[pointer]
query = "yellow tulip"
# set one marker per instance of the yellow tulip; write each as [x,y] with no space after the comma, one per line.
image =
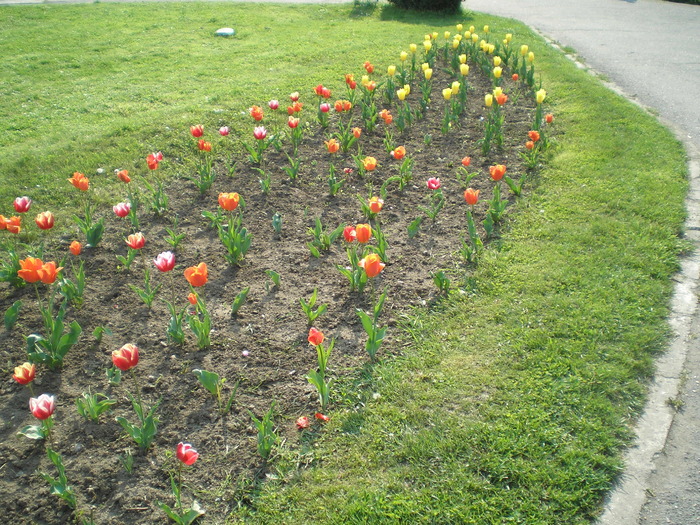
[497,91]
[427,37]
[407,89]
[496,61]
[541,94]
[491,49]
[428,73]
[475,38]
[505,42]
[455,44]
[471,29]
[365,80]
[428,45]
[531,57]
[458,37]
[467,34]
[412,48]
[509,37]
[403,56]
[488,100]
[447,93]
[435,35]
[455,87]
[483,45]
[401,94]
[447,35]
[524,49]
[391,71]
[486,29]
[462,59]
[460,27]
[464,69]
[497,72]
[424,66]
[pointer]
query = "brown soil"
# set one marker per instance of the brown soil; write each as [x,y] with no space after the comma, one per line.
[270,327]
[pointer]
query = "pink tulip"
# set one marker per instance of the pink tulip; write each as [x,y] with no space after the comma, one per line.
[273,104]
[122,209]
[165,261]
[434,183]
[223,131]
[260,132]
[22,204]
[43,406]
[303,422]
[325,107]
[186,453]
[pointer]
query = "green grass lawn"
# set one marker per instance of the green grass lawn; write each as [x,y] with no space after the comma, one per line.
[514,397]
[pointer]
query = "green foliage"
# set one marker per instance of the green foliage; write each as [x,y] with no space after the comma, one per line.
[308,308]
[375,334]
[146,430]
[235,238]
[92,406]
[266,432]
[239,300]
[52,348]
[11,314]
[59,486]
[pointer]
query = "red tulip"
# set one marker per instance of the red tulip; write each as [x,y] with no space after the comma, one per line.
[471,196]
[229,201]
[273,104]
[165,261]
[122,209]
[433,183]
[22,204]
[332,145]
[260,132]
[123,176]
[501,99]
[153,159]
[325,107]
[203,145]
[350,234]
[356,132]
[294,96]
[372,264]
[466,161]
[186,453]
[370,163]
[197,131]
[363,233]
[49,272]
[24,373]
[126,358]
[515,77]
[136,241]
[315,337]
[529,145]
[303,422]
[322,417]
[292,122]
[76,248]
[548,118]
[349,78]
[44,220]
[42,407]
[497,171]
[368,67]
[197,275]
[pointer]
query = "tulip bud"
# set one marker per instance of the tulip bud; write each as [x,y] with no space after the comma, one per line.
[540,96]
[403,56]
[475,38]
[509,37]
[531,57]
[497,71]
[460,27]
[464,69]
[524,49]
[186,453]
[462,59]
[391,71]
[447,93]
[428,45]
[401,94]
[486,29]
[412,48]
[488,100]
[496,61]
[455,87]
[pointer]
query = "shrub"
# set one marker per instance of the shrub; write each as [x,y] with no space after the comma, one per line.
[450,6]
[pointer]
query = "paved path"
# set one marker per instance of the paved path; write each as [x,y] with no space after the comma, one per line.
[651,50]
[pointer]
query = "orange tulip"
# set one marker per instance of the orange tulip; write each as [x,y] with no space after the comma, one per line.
[12,225]
[369,163]
[471,196]
[534,135]
[386,116]
[123,176]
[197,275]
[126,358]
[24,373]
[136,241]
[80,181]
[399,153]
[515,77]
[256,112]
[548,118]
[192,298]
[501,99]
[466,161]
[497,171]
[203,145]
[315,337]
[529,144]
[376,204]
[45,220]
[3,222]
[30,268]
[229,201]
[49,272]
[332,145]
[363,233]
[76,248]
[356,132]
[372,264]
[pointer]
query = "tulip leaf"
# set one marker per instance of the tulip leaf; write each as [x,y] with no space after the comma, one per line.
[32,432]
[209,380]
[11,315]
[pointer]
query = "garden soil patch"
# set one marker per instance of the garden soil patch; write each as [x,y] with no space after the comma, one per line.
[263,349]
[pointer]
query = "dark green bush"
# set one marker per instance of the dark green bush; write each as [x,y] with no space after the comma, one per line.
[449,6]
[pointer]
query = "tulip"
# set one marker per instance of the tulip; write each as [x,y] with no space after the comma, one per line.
[123,176]
[186,453]
[319,90]
[338,106]
[391,71]
[224,130]
[126,358]
[22,204]
[501,99]
[427,45]
[303,423]
[192,298]
[369,163]
[376,204]
[435,35]
[315,336]
[49,272]
[44,220]
[363,233]
[136,241]
[399,153]
[122,209]
[80,181]
[229,201]
[349,234]
[153,159]
[475,37]
[12,224]
[486,29]
[534,135]
[256,112]
[401,94]
[471,196]
[322,417]
[165,261]
[464,69]
[294,96]
[515,77]
[332,145]
[42,407]
[386,116]
[403,56]
[24,373]
[497,171]
[496,61]
[540,95]
[447,93]
[412,48]
[197,131]
[434,183]
[497,72]
[347,105]
[447,35]
[529,144]
[466,161]
[524,49]
[325,107]
[455,42]
[371,86]
[509,37]
[531,57]
[488,100]
[498,90]
[372,265]
[548,118]
[459,27]
[197,275]
[368,67]
[292,122]
[203,145]
[455,87]
[407,89]
[260,132]
[76,248]
[471,29]
[356,132]
[29,269]
[273,104]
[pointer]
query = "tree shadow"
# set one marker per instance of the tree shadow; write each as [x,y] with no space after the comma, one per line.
[427,18]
